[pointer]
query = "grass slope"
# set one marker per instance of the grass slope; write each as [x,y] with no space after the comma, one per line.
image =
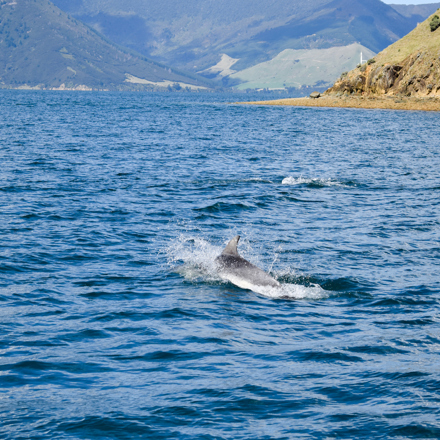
[42,46]
[420,39]
[296,68]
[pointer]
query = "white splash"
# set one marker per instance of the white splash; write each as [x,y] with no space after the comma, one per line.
[198,258]
[194,258]
[292,291]
[317,181]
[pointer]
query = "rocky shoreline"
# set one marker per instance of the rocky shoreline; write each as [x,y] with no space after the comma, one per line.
[356,101]
[404,76]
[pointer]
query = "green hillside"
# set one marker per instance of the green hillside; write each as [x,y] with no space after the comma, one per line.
[296,68]
[195,34]
[42,46]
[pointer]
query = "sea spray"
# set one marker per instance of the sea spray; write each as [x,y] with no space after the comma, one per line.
[194,257]
[315,182]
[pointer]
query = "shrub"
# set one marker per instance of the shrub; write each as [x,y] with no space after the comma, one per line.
[371,61]
[435,23]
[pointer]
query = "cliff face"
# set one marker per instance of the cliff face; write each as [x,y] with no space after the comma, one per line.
[417,75]
[409,67]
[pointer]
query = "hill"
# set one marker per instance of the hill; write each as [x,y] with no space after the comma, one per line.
[302,68]
[191,34]
[44,47]
[199,35]
[417,13]
[409,67]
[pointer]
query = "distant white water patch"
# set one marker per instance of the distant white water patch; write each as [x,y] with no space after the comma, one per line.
[311,181]
[194,259]
[135,80]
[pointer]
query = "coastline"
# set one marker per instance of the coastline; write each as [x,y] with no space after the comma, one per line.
[364,102]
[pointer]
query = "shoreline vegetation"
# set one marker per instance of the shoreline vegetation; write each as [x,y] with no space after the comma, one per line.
[364,102]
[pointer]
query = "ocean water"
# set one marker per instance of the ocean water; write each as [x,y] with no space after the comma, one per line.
[114,323]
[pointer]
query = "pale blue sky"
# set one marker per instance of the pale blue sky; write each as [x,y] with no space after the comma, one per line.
[410,2]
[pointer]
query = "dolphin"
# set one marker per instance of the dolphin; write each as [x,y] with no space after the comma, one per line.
[239,271]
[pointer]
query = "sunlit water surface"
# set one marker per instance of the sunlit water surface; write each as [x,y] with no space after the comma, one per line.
[114,322]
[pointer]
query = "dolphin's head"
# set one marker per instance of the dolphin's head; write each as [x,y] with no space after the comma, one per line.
[231,248]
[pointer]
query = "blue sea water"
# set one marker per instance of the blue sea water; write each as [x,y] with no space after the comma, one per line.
[113,321]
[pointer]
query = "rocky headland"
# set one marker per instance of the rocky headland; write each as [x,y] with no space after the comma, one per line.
[404,76]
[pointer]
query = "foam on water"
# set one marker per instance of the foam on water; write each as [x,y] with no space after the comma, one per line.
[292,291]
[194,258]
[290,180]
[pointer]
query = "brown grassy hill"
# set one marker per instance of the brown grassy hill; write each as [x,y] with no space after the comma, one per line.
[409,67]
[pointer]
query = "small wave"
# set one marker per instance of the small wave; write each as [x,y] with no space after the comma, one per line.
[258,179]
[224,207]
[314,182]
[228,182]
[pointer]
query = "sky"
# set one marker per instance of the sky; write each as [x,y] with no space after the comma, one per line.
[410,2]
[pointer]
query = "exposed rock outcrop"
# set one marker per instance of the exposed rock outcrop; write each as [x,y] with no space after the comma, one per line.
[409,67]
[417,75]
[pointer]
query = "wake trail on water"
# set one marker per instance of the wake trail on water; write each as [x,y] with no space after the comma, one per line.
[194,258]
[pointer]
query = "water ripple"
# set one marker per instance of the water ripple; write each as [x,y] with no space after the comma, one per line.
[114,320]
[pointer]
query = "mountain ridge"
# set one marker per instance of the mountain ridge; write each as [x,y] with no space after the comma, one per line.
[199,35]
[418,13]
[195,35]
[44,47]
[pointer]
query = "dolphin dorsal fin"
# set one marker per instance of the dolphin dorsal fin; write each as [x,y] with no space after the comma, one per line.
[231,248]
